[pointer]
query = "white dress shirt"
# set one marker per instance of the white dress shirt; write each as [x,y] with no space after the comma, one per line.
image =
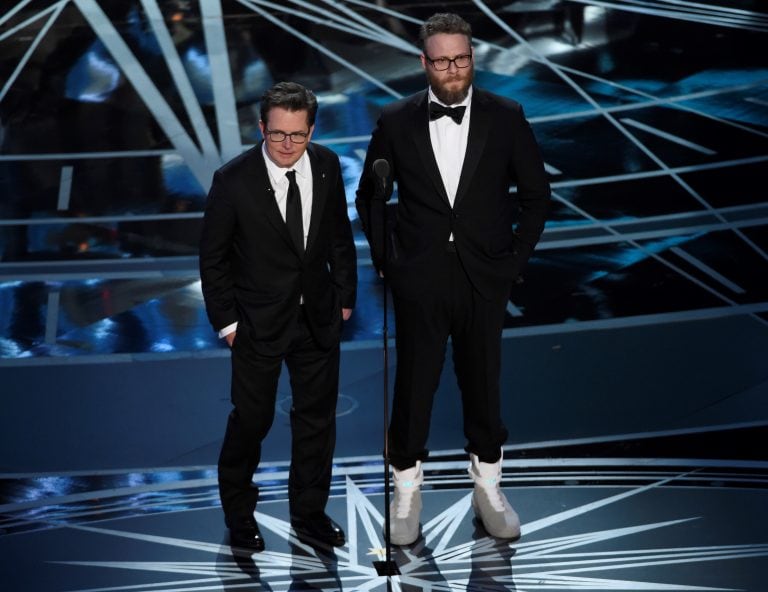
[449,144]
[279,183]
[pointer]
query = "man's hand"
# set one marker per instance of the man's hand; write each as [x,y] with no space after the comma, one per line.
[346,313]
[230,337]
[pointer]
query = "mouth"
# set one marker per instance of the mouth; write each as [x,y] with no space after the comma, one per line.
[455,80]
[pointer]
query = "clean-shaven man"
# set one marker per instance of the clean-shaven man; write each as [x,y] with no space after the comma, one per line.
[278,269]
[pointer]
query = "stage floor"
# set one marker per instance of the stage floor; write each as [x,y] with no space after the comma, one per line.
[639,483]
[589,523]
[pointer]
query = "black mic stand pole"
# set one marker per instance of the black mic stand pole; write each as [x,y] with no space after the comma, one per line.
[387,567]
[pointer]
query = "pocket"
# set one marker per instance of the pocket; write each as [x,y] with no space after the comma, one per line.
[241,336]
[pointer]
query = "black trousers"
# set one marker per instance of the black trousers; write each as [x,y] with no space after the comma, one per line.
[314,378]
[453,308]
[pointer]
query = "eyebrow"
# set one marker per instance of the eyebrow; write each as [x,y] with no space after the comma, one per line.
[448,58]
[269,129]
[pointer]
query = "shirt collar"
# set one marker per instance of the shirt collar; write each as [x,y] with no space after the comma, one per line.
[277,174]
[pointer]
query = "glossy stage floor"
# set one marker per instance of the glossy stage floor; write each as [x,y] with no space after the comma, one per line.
[635,352]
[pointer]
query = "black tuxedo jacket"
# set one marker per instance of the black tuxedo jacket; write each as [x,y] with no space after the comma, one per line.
[250,269]
[494,230]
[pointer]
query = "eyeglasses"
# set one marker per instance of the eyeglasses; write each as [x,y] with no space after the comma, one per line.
[440,64]
[296,137]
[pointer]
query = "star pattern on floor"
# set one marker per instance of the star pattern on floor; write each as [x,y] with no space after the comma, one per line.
[442,558]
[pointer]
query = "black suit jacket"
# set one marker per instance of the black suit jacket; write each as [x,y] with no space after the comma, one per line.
[494,231]
[250,269]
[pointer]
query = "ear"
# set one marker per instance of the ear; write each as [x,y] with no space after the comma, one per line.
[423,62]
[311,129]
[263,129]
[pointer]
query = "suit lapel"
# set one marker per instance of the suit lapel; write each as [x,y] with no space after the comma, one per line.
[479,126]
[258,178]
[319,195]
[420,122]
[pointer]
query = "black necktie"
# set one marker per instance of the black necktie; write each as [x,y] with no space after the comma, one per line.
[436,111]
[293,219]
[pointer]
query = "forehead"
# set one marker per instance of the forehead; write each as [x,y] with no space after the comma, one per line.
[446,45]
[288,121]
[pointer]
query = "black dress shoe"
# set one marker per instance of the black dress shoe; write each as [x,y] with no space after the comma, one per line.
[319,529]
[244,532]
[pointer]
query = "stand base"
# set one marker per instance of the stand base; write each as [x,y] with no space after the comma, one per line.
[386,568]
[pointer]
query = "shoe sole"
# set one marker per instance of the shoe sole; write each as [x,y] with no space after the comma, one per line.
[317,542]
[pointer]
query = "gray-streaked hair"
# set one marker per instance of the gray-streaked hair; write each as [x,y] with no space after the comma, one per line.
[444,22]
[291,96]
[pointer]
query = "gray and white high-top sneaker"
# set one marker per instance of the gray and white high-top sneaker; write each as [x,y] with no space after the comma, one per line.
[405,508]
[489,503]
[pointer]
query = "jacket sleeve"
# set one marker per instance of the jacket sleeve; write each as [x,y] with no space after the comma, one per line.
[372,195]
[216,240]
[533,191]
[343,257]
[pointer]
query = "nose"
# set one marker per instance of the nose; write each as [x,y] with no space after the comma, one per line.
[287,142]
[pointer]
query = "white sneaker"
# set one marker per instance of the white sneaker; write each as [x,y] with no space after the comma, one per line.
[405,508]
[489,503]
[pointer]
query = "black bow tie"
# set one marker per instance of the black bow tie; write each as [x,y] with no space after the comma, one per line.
[436,111]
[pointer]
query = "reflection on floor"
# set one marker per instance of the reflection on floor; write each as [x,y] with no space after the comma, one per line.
[591,522]
[636,388]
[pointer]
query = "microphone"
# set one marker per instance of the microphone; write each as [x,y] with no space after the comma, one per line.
[381,170]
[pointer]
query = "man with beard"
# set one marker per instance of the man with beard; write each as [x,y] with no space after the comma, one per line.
[458,243]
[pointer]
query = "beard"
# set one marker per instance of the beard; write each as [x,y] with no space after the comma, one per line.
[454,94]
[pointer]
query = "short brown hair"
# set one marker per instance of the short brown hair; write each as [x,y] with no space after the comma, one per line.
[291,96]
[444,22]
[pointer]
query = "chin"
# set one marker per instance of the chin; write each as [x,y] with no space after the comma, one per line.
[452,92]
[452,96]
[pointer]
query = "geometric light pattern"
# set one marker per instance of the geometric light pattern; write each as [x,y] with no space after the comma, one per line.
[643,525]
[651,116]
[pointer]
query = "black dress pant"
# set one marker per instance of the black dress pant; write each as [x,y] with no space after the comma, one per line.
[314,378]
[452,308]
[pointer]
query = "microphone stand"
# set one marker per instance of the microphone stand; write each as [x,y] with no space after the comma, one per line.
[381,169]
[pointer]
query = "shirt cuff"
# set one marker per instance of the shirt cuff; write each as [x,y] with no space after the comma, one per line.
[228,329]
